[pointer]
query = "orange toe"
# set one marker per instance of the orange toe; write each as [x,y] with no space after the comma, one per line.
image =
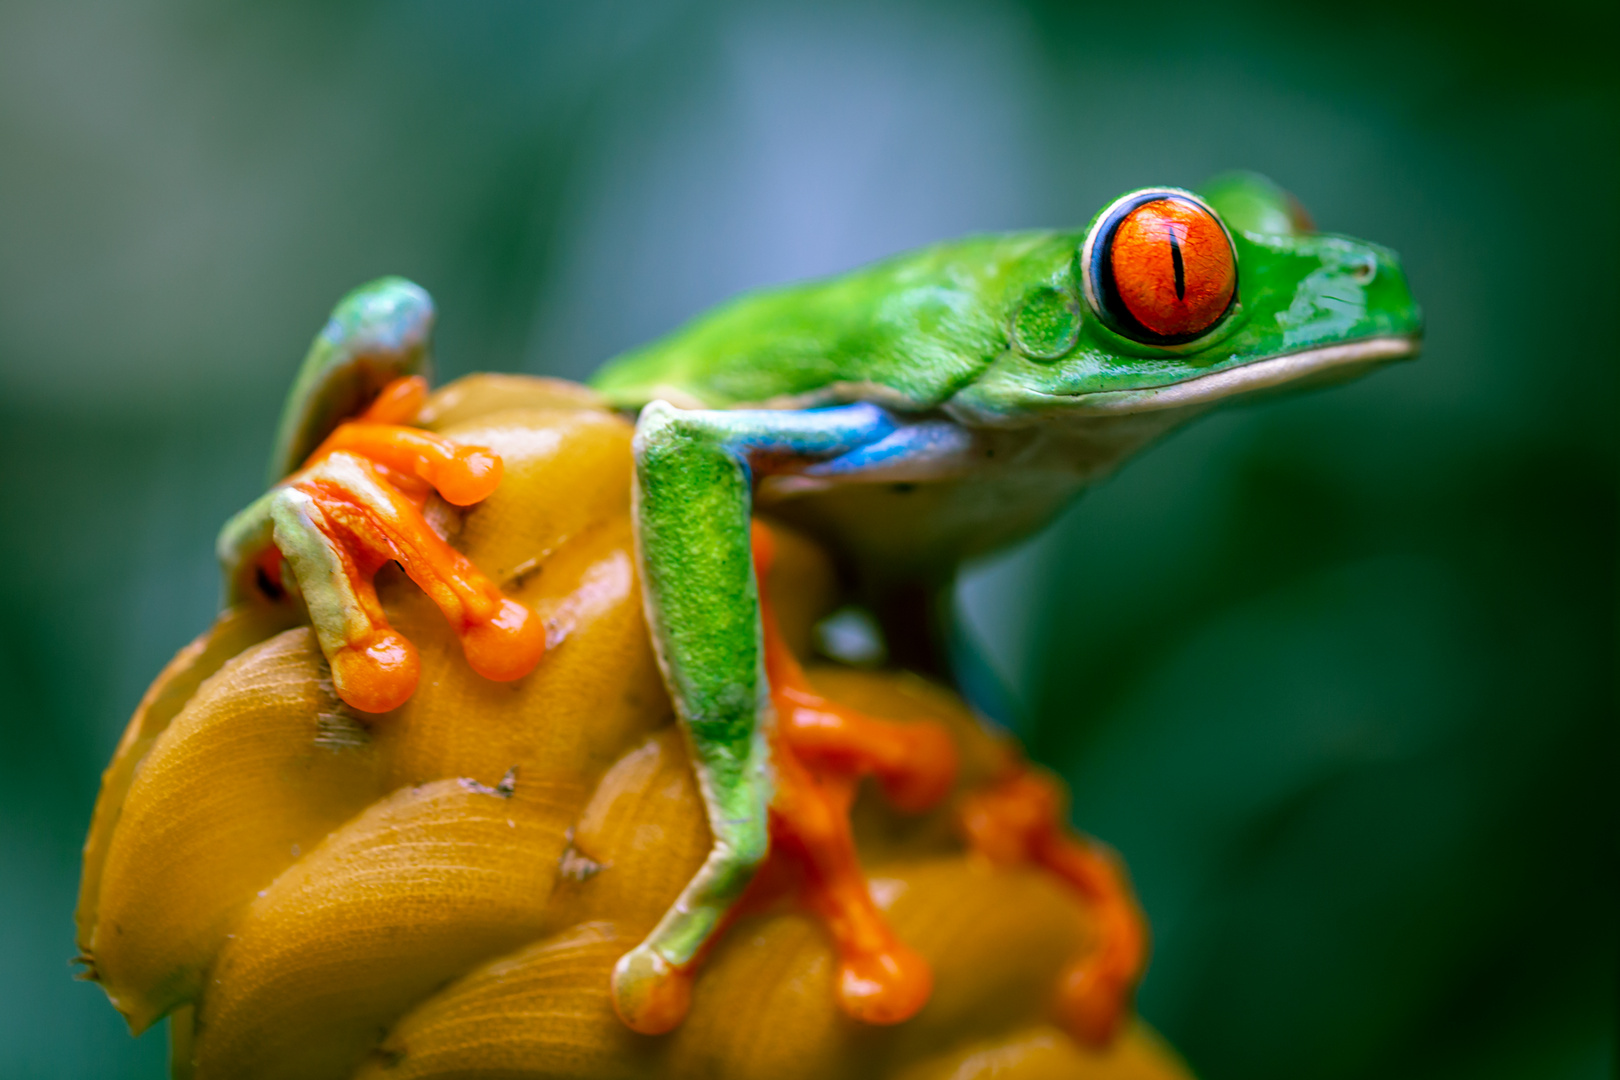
[506,646]
[885,987]
[378,673]
[471,475]
[650,995]
[1091,1006]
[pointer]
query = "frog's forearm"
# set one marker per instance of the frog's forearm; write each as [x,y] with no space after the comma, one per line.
[693,493]
[693,474]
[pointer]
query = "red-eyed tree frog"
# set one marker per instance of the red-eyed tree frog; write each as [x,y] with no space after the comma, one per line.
[930,407]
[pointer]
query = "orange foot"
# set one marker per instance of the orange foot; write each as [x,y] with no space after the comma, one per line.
[1018,820]
[821,750]
[357,504]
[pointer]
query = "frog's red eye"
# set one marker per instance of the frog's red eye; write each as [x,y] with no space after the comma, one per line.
[1159,267]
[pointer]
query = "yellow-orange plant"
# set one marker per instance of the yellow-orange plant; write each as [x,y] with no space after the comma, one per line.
[442,890]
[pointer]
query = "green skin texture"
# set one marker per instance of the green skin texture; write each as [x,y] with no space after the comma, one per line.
[979,363]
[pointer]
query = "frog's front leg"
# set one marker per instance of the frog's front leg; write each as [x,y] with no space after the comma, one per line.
[694,476]
[356,503]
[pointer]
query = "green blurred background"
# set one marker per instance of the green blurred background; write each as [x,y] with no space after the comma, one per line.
[1336,674]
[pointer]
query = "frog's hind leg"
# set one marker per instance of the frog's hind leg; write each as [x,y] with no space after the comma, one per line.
[339,521]
[348,498]
[373,355]
[378,333]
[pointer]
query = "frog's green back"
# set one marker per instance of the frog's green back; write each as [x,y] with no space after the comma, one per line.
[907,331]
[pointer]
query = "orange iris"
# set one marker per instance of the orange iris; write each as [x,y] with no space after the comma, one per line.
[1173,267]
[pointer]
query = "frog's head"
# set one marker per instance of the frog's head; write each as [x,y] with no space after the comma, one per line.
[1176,301]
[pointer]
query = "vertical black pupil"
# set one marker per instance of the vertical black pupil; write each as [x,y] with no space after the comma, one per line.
[1175,260]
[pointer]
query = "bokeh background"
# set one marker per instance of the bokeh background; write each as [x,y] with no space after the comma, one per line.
[1336,674]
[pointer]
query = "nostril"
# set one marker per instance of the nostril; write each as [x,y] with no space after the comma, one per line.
[1364,270]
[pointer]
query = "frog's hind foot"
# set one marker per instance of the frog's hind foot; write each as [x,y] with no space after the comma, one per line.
[821,750]
[1018,820]
[357,504]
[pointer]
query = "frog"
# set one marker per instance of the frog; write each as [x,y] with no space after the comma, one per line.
[927,409]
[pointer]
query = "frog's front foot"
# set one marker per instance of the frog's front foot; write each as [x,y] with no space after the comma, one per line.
[1019,820]
[357,504]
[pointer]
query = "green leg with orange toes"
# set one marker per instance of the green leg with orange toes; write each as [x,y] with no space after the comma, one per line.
[777,763]
[694,477]
[349,498]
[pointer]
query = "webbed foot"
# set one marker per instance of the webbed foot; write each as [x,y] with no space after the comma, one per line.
[1018,820]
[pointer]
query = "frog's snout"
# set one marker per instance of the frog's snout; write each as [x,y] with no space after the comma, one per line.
[1380,274]
[1368,280]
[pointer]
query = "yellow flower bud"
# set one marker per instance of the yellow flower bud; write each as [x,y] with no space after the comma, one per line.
[443,890]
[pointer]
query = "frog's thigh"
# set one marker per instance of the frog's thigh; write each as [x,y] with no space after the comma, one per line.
[243,538]
[693,496]
[378,332]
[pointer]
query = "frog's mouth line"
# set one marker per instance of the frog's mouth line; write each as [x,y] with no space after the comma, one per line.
[1341,359]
